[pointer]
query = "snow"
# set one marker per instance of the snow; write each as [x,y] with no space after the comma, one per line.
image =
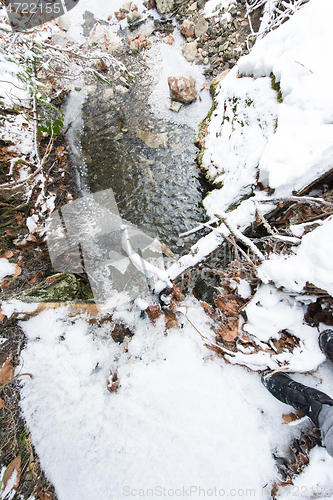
[294,138]
[179,419]
[311,263]
[6,268]
[183,419]
[214,6]
[167,60]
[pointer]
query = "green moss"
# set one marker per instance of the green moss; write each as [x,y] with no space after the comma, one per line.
[68,289]
[276,86]
[201,132]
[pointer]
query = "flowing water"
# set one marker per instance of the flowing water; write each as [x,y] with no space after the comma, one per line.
[148,162]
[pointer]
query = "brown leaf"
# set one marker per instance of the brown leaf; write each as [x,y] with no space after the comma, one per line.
[31,237]
[8,254]
[20,218]
[178,295]
[2,404]
[229,307]
[10,232]
[18,271]
[170,320]
[6,371]
[5,284]
[2,315]
[114,386]
[291,417]
[154,312]
[15,465]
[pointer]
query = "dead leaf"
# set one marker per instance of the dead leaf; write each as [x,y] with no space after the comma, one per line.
[20,218]
[6,371]
[178,295]
[229,307]
[15,465]
[31,237]
[17,272]
[170,320]
[2,404]
[8,254]
[229,331]
[2,315]
[154,312]
[291,417]
[9,232]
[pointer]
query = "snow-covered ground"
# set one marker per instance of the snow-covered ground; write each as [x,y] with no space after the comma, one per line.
[183,422]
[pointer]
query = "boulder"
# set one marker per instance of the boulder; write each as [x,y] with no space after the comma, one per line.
[187,29]
[201,27]
[190,51]
[182,88]
[164,6]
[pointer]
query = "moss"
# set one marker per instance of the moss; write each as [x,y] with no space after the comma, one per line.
[201,132]
[68,289]
[276,86]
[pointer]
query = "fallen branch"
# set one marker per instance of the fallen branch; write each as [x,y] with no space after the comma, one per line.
[298,199]
[206,339]
[239,236]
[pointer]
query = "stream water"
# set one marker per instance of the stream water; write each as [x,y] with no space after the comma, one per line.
[147,160]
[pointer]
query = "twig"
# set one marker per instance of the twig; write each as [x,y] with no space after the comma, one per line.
[299,199]
[263,220]
[206,339]
[239,236]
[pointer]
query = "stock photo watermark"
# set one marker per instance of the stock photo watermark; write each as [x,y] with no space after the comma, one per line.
[29,14]
[317,491]
[89,236]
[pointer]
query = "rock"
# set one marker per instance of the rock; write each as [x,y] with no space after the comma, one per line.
[187,29]
[102,66]
[91,89]
[59,39]
[121,90]
[205,61]
[182,88]
[126,8]
[217,80]
[169,40]
[193,7]
[120,15]
[115,48]
[201,27]
[63,23]
[174,106]
[138,43]
[99,36]
[152,140]
[108,93]
[227,55]
[133,17]
[164,6]
[190,51]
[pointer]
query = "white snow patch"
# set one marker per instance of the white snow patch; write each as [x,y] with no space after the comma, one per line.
[177,420]
[6,268]
[312,262]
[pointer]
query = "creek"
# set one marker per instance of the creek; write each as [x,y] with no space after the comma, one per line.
[127,141]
